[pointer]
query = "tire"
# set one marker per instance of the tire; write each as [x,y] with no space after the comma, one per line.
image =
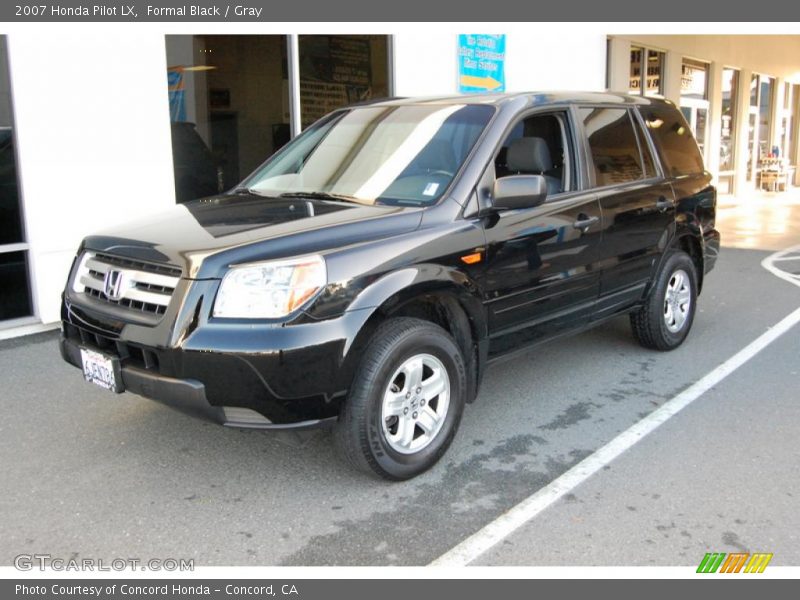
[391,426]
[664,321]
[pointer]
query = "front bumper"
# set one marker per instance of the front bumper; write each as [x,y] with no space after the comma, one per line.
[185,395]
[224,370]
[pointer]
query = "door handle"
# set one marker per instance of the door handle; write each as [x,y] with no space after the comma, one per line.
[584,222]
[663,205]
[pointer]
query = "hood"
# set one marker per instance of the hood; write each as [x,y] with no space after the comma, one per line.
[238,228]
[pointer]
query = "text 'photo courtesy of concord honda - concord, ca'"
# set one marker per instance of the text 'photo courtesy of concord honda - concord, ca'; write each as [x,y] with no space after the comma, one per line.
[366,275]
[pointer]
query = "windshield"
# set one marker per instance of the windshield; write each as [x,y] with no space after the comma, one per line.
[377,154]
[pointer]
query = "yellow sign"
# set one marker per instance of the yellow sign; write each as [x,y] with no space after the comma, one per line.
[486,83]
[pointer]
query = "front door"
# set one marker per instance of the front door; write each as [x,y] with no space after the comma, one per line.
[540,275]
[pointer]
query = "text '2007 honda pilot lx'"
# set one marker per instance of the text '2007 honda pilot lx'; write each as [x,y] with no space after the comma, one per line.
[368,273]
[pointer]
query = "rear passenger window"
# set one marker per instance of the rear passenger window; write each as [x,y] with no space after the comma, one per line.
[674,140]
[612,141]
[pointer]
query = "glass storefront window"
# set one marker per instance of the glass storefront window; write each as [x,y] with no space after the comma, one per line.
[337,70]
[10,214]
[694,79]
[727,147]
[229,108]
[635,85]
[15,297]
[655,70]
[229,98]
[646,74]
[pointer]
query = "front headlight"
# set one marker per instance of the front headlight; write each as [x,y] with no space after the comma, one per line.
[269,290]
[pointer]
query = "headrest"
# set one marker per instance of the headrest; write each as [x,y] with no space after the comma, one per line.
[528,155]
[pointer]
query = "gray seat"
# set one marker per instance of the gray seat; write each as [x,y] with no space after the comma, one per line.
[531,156]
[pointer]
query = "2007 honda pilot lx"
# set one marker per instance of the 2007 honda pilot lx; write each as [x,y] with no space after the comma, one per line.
[369,272]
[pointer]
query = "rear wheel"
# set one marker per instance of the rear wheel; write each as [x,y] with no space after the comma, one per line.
[668,312]
[406,401]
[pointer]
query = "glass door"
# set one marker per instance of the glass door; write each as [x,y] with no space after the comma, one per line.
[694,100]
[728,130]
[752,149]
[696,114]
[759,148]
[15,296]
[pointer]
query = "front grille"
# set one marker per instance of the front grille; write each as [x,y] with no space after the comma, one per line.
[129,354]
[132,284]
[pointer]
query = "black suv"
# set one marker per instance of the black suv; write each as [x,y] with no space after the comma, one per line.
[368,273]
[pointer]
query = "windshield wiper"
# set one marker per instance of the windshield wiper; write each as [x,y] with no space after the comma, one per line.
[246,190]
[322,196]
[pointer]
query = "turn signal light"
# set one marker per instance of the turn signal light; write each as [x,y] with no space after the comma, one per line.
[471,259]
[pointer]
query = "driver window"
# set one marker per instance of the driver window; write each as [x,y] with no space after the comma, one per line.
[537,146]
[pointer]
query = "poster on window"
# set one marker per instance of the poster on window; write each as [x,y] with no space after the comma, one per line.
[177,100]
[334,71]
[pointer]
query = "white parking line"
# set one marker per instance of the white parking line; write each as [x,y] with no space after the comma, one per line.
[784,255]
[510,521]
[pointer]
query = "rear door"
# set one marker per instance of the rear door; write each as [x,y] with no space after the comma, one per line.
[638,207]
[541,275]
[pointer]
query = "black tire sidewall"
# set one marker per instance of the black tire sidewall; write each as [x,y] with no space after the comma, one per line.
[674,262]
[424,341]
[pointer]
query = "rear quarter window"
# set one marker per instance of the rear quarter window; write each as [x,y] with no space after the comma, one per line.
[673,138]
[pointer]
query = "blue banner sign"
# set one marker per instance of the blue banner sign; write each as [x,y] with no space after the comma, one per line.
[481,63]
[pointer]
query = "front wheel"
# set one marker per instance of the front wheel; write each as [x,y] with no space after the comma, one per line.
[668,312]
[406,401]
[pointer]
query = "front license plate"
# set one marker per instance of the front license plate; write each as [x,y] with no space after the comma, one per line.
[99,369]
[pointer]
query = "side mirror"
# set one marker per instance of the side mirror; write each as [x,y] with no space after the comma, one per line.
[519,191]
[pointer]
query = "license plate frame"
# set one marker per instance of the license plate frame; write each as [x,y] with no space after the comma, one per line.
[102,370]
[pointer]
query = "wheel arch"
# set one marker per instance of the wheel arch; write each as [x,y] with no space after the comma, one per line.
[692,244]
[446,297]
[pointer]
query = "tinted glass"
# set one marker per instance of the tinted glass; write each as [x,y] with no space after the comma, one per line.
[228,104]
[339,70]
[15,298]
[647,155]
[11,231]
[377,154]
[10,222]
[673,138]
[615,152]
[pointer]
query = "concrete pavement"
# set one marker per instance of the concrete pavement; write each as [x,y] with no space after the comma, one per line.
[90,474]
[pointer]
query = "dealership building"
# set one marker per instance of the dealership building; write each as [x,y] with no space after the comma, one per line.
[97,130]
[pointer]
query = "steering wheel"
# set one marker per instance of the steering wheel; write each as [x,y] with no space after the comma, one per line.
[441,172]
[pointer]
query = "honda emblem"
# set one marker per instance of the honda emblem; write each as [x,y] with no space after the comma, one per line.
[115,285]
